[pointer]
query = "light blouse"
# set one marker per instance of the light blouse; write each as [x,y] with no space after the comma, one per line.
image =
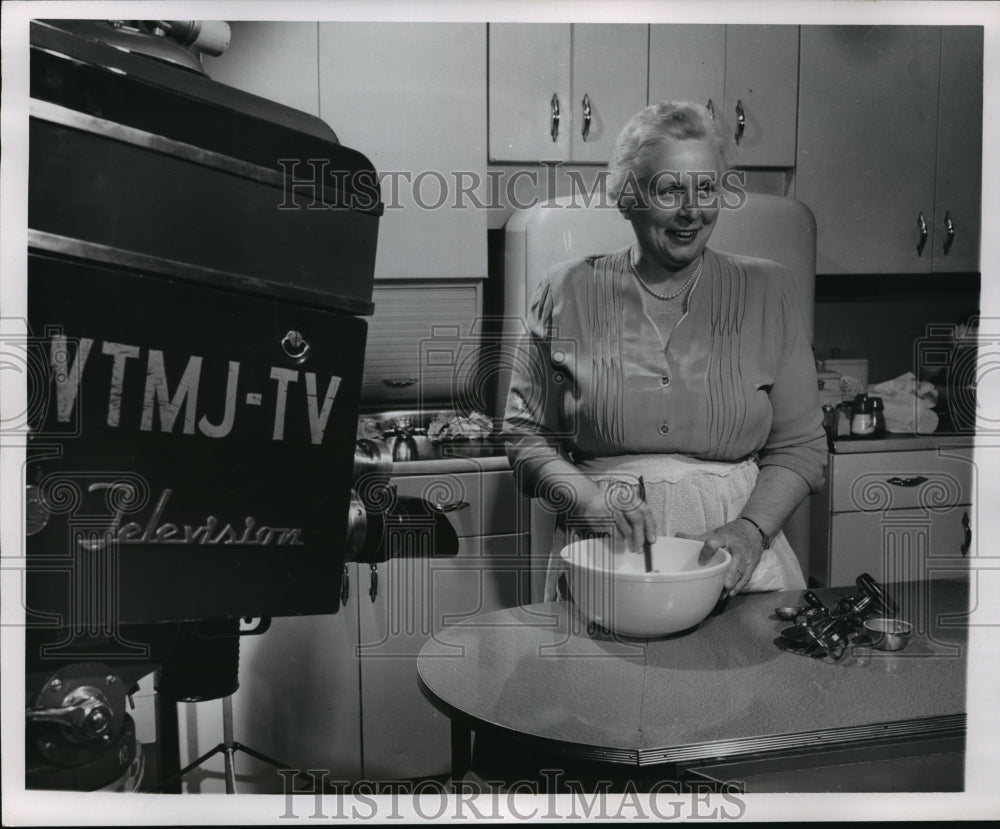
[594,376]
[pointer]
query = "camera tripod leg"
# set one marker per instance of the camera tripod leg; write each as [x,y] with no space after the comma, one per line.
[228,748]
[191,766]
[227,742]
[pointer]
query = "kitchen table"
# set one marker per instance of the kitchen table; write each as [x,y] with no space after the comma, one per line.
[723,690]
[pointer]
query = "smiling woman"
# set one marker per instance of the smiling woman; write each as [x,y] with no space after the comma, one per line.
[684,366]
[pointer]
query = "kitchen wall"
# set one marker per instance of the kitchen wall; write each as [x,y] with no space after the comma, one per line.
[883,318]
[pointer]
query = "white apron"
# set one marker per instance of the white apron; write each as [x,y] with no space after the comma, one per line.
[685,495]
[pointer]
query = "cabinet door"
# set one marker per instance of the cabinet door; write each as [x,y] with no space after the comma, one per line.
[762,84]
[299,700]
[959,150]
[900,545]
[687,63]
[276,60]
[410,97]
[866,145]
[404,735]
[529,80]
[609,82]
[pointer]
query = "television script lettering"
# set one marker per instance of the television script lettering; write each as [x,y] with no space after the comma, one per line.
[163,408]
[209,532]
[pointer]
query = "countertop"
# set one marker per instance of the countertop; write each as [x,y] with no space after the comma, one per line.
[723,689]
[899,443]
[451,464]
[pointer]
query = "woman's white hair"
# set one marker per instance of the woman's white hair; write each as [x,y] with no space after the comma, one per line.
[658,124]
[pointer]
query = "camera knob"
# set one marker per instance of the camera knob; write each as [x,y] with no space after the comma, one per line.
[84,715]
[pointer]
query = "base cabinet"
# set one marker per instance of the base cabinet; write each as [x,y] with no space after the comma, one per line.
[900,516]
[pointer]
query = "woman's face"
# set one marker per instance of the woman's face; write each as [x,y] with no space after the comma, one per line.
[683,201]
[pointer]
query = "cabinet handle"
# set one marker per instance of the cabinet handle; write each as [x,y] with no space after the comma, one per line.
[711,108]
[967,526]
[399,384]
[373,584]
[295,346]
[345,587]
[586,116]
[949,227]
[554,127]
[741,122]
[916,480]
[454,506]
[922,227]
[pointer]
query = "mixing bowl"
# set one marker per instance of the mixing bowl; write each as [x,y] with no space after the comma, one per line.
[612,588]
[888,634]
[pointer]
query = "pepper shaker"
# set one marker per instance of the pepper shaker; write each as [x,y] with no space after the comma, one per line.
[878,413]
[862,417]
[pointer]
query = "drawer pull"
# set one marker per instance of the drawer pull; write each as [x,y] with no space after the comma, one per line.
[398,384]
[373,586]
[967,526]
[454,506]
[295,346]
[916,480]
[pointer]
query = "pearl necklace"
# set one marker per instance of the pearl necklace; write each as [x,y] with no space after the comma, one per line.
[676,293]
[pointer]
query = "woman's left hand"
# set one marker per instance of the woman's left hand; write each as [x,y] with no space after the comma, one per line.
[744,545]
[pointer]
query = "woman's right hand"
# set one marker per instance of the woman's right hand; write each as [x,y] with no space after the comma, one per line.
[632,518]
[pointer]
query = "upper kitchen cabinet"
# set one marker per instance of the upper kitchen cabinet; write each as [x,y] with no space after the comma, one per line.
[889,146]
[609,86]
[761,92]
[410,96]
[958,185]
[687,63]
[529,91]
[748,73]
[561,92]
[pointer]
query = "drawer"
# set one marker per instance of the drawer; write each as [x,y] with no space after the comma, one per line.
[478,503]
[880,481]
[908,545]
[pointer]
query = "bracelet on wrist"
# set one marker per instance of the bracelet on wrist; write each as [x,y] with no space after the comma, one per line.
[765,539]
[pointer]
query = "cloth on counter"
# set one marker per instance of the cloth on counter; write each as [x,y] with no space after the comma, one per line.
[908,403]
[685,496]
[595,376]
